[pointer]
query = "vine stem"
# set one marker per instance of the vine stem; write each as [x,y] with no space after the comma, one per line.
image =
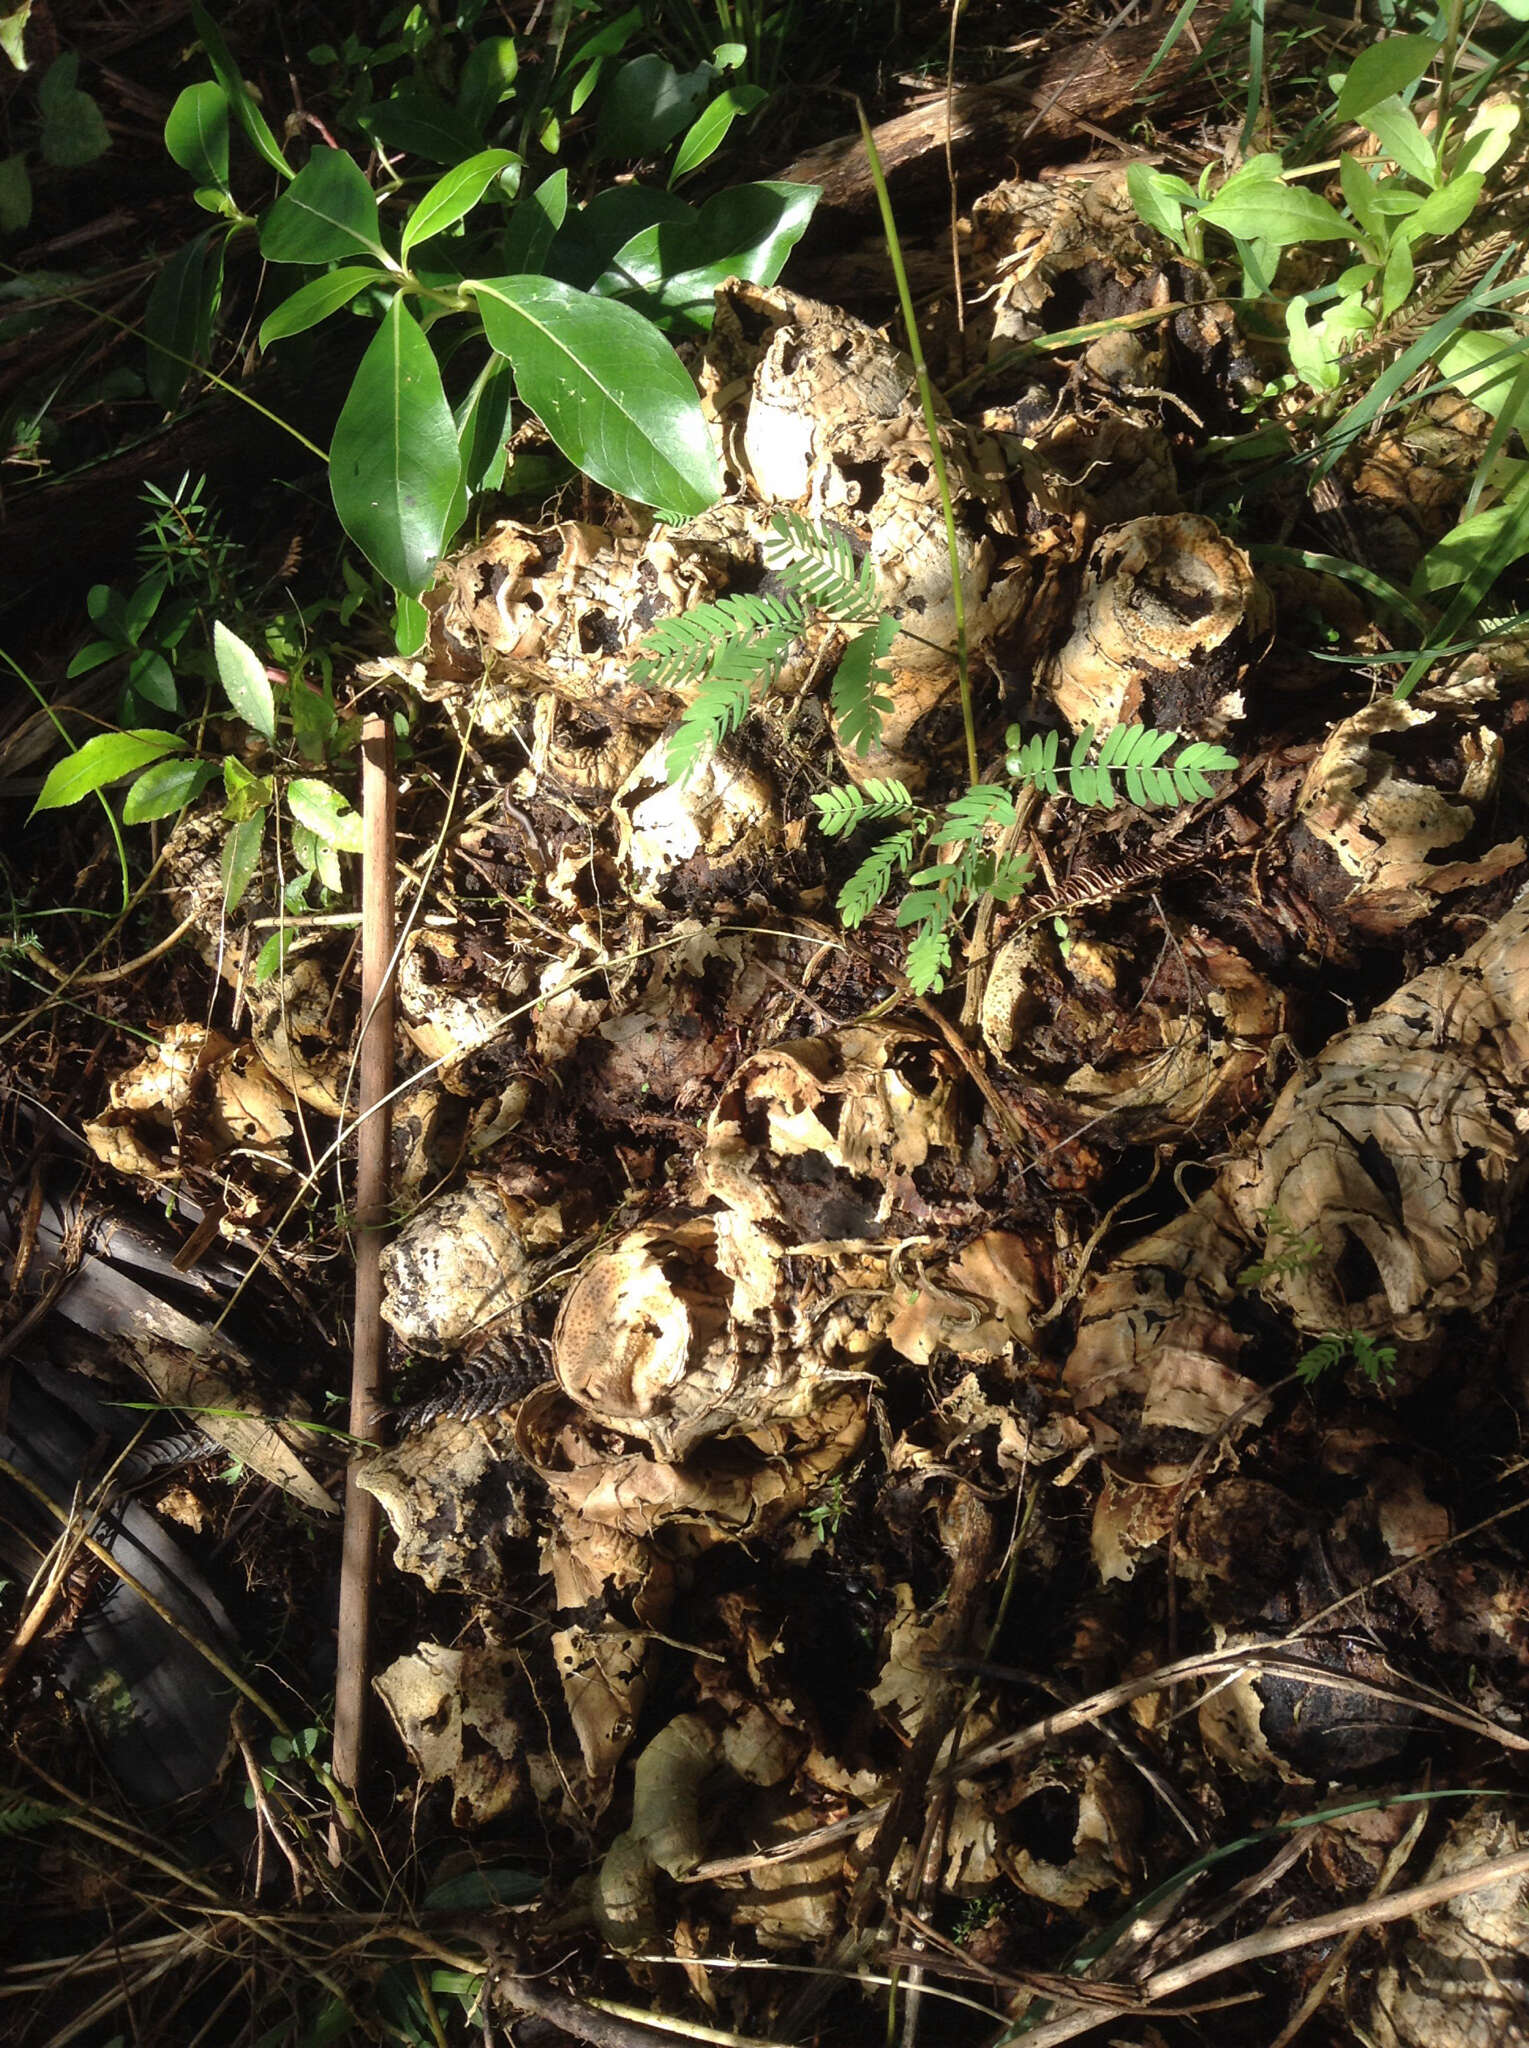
[937,453]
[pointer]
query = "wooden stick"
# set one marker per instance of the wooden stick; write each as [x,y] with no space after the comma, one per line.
[375,1064]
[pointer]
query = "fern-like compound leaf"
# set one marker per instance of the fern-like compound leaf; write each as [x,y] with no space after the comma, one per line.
[969,815]
[1012,876]
[679,652]
[929,960]
[1032,762]
[858,694]
[842,811]
[821,566]
[1194,765]
[23,1817]
[715,715]
[868,885]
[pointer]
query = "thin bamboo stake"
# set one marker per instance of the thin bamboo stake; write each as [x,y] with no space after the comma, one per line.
[375,1076]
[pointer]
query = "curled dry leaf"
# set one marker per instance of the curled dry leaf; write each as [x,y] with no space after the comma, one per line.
[1086,1807]
[1386,831]
[1181,1046]
[1169,620]
[678,841]
[462,1261]
[454,1499]
[303,1031]
[1026,239]
[451,1710]
[190,1101]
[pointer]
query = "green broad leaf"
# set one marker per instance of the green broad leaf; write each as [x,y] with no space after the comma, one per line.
[1490,135]
[487,80]
[327,814]
[393,462]
[272,956]
[708,131]
[746,231]
[196,134]
[1451,560]
[178,319]
[92,655]
[533,225]
[472,1889]
[316,300]
[73,130]
[1274,212]
[1159,200]
[245,683]
[1397,281]
[646,105]
[1450,207]
[1482,365]
[483,426]
[15,194]
[328,211]
[149,677]
[240,858]
[1403,140]
[411,624]
[240,98]
[592,234]
[166,788]
[313,720]
[730,56]
[13,28]
[1382,70]
[143,603]
[102,760]
[420,123]
[453,195]
[608,389]
[1359,195]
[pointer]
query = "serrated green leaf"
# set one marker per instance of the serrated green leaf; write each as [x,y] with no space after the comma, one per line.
[327,814]
[196,134]
[316,300]
[453,195]
[394,461]
[608,389]
[328,211]
[240,858]
[245,683]
[102,760]
[166,788]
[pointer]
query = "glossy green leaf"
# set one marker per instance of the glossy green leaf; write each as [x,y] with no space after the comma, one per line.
[393,463]
[327,814]
[1385,68]
[245,683]
[316,300]
[1403,140]
[104,759]
[483,426]
[92,656]
[745,231]
[73,129]
[608,389]
[422,124]
[488,79]
[533,225]
[178,319]
[328,211]
[453,195]
[240,858]
[592,234]
[1276,213]
[196,134]
[411,624]
[166,788]
[708,131]
[13,32]
[226,72]
[272,956]
[646,105]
